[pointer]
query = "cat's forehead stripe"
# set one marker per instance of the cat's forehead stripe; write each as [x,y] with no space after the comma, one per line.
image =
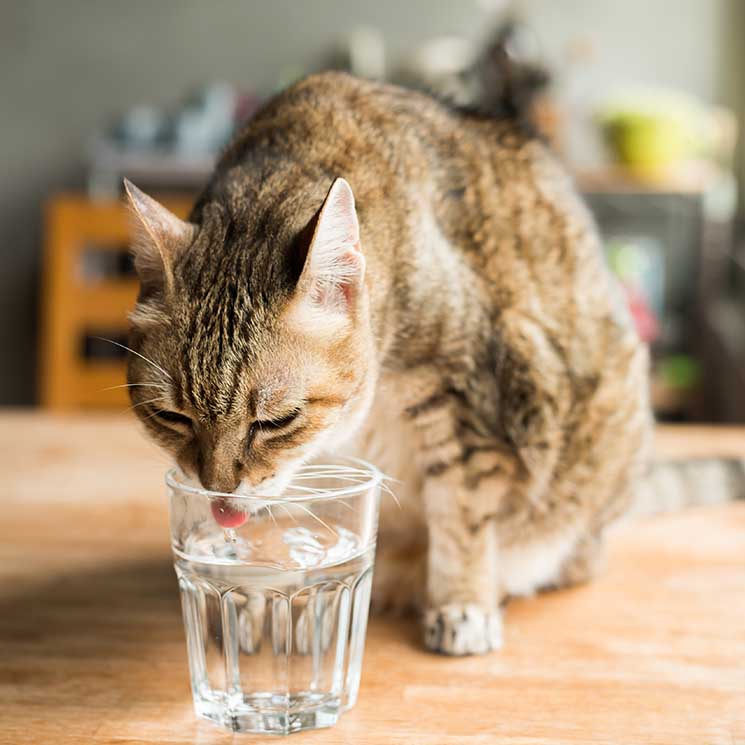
[253,398]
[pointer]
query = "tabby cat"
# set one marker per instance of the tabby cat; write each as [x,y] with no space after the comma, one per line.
[372,271]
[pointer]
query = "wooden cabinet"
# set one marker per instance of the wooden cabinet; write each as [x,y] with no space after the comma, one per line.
[88,287]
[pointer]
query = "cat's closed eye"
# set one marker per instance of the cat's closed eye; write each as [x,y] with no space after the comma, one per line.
[279,423]
[173,417]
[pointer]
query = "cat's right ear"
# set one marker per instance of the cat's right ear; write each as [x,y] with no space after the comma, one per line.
[157,236]
[334,267]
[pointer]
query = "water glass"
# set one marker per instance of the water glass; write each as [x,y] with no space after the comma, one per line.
[275,595]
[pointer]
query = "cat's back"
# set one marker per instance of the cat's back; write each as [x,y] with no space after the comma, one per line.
[490,185]
[335,122]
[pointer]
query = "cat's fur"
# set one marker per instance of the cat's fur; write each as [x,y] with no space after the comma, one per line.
[459,329]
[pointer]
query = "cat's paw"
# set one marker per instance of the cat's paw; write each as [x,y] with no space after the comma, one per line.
[461,629]
[251,623]
[317,625]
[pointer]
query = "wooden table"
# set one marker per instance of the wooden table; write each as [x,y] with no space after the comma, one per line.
[92,648]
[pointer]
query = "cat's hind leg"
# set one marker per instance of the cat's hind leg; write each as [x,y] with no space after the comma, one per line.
[586,561]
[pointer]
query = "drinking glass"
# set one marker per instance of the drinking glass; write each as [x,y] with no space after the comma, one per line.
[275,595]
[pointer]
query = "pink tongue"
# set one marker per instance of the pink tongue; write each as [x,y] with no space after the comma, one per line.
[226,515]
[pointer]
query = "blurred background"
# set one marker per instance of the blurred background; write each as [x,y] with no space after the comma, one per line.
[643,99]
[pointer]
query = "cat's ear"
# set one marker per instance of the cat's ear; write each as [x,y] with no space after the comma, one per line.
[334,268]
[157,236]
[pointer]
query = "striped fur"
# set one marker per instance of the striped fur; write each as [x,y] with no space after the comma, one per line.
[474,347]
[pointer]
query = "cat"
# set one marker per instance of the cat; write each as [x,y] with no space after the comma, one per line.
[371,271]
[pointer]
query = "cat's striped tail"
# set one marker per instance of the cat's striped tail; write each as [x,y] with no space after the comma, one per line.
[675,484]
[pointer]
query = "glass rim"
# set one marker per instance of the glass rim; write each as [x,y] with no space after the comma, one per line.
[374,477]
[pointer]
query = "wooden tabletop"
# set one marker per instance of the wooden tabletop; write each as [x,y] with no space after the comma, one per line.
[92,648]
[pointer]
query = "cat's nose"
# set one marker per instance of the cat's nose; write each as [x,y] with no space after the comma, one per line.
[219,477]
[218,459]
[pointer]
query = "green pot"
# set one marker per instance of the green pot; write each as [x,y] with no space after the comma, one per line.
[646,143]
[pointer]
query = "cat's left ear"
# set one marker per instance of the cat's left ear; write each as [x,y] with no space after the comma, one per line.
[158,236]
[334,269]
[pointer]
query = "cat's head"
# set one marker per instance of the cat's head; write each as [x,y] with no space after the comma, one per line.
[252,343]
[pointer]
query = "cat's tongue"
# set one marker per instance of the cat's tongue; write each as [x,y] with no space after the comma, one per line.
[226,515]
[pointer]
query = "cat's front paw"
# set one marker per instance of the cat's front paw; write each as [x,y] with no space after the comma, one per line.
[460,629]
[251,623]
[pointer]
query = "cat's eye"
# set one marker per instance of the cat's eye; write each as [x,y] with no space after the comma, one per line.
[279,423]
[173,417]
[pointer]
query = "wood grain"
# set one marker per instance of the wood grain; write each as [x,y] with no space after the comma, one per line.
[74,305]
[92,648]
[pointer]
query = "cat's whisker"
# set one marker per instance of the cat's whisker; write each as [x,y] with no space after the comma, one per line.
[144,403]
[320,468]
[316,474]
[155,413]
[318,519]
[393,496]
[133,385]
[289,514]
[348,474]
[350,481]
[344,504]
[359,476]
[308,490]
[141,356]
[271,515]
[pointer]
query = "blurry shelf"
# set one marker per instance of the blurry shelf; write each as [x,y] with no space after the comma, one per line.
[696,178]
[723,350]
[156,168]
[77,307]
[726,319]
[668,401]
[100,385]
